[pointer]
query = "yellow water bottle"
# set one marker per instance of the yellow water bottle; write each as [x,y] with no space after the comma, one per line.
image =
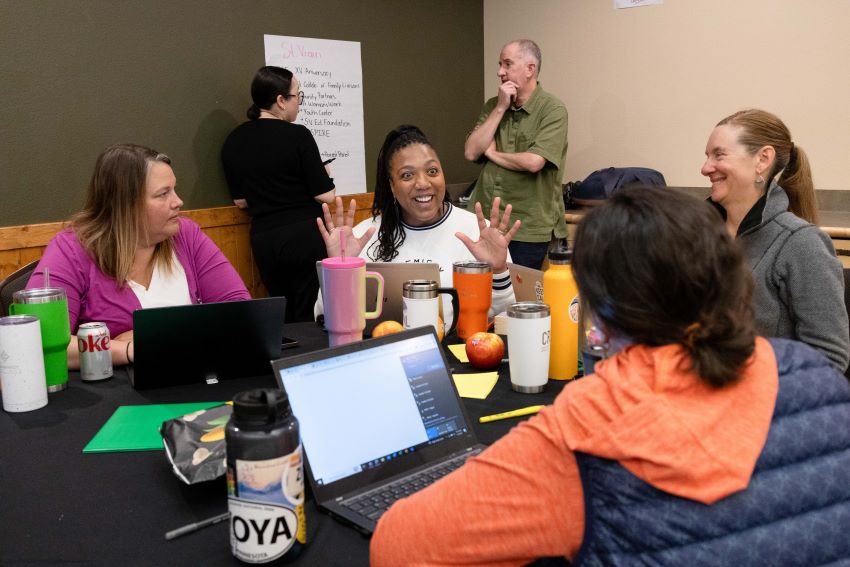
[561,294]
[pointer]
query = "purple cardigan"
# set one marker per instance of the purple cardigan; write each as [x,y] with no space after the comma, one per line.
[94,296]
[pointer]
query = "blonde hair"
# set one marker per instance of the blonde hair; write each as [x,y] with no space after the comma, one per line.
[760,128]
[113,221]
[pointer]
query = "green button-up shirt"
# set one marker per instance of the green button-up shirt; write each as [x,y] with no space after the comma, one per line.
[539,127]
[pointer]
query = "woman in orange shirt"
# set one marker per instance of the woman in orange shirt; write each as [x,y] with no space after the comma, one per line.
[699,444]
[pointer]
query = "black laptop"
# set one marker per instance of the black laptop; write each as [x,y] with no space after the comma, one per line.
[379,420]
[206,342]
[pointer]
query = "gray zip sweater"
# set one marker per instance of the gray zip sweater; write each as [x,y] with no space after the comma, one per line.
[798,280]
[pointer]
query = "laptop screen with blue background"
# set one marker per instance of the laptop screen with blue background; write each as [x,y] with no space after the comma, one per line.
[360,410]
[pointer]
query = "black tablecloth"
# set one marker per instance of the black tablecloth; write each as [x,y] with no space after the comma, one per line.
[60,505]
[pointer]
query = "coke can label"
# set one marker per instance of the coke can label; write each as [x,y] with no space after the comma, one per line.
[95,355]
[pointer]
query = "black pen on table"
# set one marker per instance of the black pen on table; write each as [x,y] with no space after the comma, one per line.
[327,161]
[190,528]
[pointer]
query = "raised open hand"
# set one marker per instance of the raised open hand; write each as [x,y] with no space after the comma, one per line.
[341,222]
[493,240]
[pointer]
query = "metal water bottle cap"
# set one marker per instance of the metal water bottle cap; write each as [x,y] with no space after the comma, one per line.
[39,295]
[529,310]
[470,267]
[419,289]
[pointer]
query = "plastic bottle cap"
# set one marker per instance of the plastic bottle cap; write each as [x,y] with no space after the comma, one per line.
[260,408]
[560,256]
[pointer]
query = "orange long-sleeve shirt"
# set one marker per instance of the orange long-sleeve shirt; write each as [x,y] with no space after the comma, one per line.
[522,498]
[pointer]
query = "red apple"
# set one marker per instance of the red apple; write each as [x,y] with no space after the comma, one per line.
[485,350]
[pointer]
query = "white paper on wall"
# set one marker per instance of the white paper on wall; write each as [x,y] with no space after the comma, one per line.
[331,77]
[620,4]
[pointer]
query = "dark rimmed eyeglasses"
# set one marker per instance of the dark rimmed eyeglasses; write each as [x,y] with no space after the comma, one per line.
[299,94]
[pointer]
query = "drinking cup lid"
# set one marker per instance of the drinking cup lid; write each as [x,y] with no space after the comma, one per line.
[419,289]
[39,295]
[337,263]
[420,285]
[471,267]
[260,408]
[17,319]
[528,310]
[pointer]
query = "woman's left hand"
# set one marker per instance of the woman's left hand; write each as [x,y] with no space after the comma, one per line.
[493,240]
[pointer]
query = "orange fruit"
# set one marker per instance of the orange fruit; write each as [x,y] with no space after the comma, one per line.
[387,328]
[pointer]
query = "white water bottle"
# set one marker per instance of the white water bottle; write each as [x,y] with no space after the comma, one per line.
[22,377]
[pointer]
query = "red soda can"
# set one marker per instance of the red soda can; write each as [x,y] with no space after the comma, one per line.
[95,356]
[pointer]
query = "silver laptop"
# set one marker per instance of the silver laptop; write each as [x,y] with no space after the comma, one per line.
[527,282]
[379,419]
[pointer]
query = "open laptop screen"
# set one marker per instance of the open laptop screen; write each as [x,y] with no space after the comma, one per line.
[380,402]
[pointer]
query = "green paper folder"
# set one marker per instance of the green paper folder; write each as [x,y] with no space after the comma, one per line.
[136,428]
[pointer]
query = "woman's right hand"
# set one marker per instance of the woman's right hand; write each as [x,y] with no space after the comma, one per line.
[342,223]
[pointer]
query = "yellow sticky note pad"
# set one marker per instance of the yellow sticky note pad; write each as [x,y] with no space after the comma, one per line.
[477,385]
[460,352]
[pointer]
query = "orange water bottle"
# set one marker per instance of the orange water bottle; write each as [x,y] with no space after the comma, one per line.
[561,294]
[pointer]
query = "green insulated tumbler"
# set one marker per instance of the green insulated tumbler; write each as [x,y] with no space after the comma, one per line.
[50,305]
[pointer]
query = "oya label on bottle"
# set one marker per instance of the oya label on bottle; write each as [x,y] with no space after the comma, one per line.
[266,503]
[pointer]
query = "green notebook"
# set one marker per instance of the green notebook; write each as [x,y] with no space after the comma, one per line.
[136,428]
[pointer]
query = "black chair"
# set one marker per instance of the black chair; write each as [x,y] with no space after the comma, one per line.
[16,281]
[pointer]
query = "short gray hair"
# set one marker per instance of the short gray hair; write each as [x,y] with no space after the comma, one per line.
[530,50]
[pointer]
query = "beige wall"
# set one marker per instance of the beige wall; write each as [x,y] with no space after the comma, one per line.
[644,86]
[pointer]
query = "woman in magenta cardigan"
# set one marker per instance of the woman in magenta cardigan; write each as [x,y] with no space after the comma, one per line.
[129,249]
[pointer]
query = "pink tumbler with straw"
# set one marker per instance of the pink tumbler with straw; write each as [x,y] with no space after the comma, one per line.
[344,297]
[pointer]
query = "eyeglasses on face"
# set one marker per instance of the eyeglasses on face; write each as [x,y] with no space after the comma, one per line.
[299,94]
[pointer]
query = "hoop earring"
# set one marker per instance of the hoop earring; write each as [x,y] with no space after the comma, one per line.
[759,180]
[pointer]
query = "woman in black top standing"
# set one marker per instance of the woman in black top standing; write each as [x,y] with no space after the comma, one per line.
[274,170]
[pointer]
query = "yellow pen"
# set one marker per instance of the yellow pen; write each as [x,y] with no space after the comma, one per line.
[509,414]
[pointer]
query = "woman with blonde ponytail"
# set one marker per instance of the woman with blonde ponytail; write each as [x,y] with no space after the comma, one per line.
[761,183]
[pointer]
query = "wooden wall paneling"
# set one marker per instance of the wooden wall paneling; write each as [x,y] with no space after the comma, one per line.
[225,238]
[228,227]
[10,260]
[28,235]
[218,216]
[256,288]
[842,248]
[244,259]
[30,254]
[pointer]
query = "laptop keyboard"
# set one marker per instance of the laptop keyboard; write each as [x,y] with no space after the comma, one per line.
[375,502]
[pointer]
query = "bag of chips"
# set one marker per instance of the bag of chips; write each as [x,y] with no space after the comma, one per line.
[194,443]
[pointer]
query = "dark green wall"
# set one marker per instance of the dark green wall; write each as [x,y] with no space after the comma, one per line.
[78,75]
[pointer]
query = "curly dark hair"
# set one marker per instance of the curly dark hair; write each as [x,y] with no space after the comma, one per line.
[391,234]
[659,267]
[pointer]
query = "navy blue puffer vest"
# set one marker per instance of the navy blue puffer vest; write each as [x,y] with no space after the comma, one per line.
[796,510]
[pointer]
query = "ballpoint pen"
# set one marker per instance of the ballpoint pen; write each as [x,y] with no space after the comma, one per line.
[189,528]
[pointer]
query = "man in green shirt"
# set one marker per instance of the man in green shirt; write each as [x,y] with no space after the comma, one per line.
[521,137]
